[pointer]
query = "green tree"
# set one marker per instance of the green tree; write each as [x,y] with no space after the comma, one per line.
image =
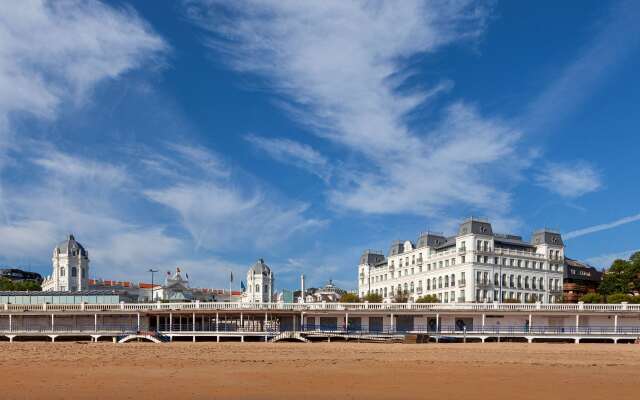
[617,298]
[592,298]
[373,298]
[349,298]
[401,297]
[9,285]
[622,277]
[428,298]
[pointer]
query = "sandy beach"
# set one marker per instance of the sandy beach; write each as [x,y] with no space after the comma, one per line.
[318,370]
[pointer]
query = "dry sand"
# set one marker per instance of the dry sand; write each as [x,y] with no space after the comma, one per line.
[318,371]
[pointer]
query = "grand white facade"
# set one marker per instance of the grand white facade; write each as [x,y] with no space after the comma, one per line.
[259,284]
[476,265]
[70,268]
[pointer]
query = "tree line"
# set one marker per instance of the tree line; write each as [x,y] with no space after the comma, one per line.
[620,283]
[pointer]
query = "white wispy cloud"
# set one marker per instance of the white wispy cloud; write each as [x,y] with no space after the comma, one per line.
[293,153]
[617,36]
[605,260]
[219,213]
[569,180]
[339,66]
[601,227]
[53,50]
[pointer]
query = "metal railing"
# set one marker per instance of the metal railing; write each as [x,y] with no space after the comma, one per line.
[130,308]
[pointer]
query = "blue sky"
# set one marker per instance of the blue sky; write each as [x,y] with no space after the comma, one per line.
[207,134]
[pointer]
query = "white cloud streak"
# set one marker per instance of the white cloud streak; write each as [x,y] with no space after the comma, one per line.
[602,227]
[339,66]
[605,260]
[569,180]
[293,153]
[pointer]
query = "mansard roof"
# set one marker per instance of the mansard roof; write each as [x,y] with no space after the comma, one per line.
[69,245]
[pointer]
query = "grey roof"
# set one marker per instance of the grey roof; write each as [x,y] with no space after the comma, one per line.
[511,240]
[546,236]
[260,268]
[71,244]
[476,226]
[449,242]
[371,257]
[577,270]
[396,248]
[430,239]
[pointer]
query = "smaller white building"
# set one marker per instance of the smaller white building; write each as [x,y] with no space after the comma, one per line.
[259,284]
[70,268]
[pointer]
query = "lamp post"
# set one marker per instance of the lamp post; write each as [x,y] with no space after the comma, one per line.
[153,271]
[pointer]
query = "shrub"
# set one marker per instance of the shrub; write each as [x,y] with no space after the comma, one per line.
[373,298]
[592,298]
[429,298]
[349,298]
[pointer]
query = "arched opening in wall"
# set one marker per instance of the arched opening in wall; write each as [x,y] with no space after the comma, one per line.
[553,340]
[596,340]
[79,338]
[32,339]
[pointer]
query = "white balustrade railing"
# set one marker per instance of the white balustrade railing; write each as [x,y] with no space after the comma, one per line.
[302,307]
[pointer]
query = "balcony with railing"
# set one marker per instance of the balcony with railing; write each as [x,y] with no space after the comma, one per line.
[483,284]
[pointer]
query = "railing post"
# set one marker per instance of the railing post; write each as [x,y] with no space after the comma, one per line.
[624,305]
[538,305]
[615,323]
[6,306]
[82,306]
[158,305]
[44,306]
[581,305]
[122,305]
[197,303]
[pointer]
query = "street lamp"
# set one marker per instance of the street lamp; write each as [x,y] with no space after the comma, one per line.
[153,271]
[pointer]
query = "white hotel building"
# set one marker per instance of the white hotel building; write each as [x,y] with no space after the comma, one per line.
[477,265]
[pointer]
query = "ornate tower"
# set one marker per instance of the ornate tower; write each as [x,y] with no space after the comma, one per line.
[70,267]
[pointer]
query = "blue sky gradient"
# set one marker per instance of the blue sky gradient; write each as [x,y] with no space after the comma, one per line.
[207,134]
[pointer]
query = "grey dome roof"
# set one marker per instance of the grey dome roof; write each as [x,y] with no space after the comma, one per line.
[69,245]
[260,268]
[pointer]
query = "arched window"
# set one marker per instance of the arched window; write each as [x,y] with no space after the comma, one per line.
[496,279]
[440,283]
[526,282]
[406,288]
[446,281]
[428,284]
[257,288]
[62,271]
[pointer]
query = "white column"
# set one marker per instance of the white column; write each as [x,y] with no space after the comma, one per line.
[217,324]
[170,322]
[265,322]
[577,322]
[615,323]
[393,324]
[193,323]
[158,322]
[483,318]
[10,323]
[52,323]
[530,321]
[241,322]
[346,321]
[95,322]
[437,322]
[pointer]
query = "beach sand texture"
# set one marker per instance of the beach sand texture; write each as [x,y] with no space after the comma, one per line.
[39,370]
